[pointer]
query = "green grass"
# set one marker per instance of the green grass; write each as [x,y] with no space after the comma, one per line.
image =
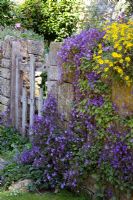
[46,196]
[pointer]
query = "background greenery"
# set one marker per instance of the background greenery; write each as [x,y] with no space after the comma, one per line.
[51,18]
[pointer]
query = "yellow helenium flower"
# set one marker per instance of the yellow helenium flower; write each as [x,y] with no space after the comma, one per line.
[100,52]
[126,78]
[106,61]
[121,61]
[116,55]
[106,69]
[129,45]
[110,64]
[120,71]
[100,61]
[119,48]
[128,59]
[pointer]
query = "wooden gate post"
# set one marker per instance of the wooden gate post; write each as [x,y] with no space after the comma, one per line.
[32,91]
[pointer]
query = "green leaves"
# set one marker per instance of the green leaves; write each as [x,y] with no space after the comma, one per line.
[6,12]
[53,19]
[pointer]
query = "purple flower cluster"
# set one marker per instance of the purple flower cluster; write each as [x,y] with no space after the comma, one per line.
[118,155]
[79,46]
[52,148]
[96,101]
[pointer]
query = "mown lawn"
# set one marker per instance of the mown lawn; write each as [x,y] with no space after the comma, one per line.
[46,196]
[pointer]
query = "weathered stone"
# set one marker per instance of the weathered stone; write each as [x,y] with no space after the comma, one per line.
[21,185]
[52,88]
[5,87]
[39,65]
[65,99]
[3,108]
[24,49]
[24,67]
[5,73]
[53,57]
[122,97]
[1,46]
[35,47]
[67,75]
[7,48]
[6,63]
[47,63]
[53,73]
[4,100]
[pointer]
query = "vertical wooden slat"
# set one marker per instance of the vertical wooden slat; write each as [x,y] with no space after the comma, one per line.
[40,102]
[24,109]
[32,90]
[17,94]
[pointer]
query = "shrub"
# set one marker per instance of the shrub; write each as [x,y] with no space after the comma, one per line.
[53,19]
[6,12]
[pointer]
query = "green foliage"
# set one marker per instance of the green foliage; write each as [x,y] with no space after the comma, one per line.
[43,83]
[51,18]
[6,12]
[10,139]
[64,195]
[11,31]
[14,172]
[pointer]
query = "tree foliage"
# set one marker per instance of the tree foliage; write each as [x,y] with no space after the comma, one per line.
[51,18]
[6,12]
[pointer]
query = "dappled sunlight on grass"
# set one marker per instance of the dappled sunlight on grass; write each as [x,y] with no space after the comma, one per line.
[46,196]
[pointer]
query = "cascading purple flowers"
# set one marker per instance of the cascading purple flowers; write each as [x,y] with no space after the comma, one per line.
[52,148]
[79,46]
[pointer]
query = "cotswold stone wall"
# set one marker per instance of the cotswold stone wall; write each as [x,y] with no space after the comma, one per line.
[60,86]
[21,63]
[15,60]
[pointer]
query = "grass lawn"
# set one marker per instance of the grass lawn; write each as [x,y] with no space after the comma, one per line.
[47,196]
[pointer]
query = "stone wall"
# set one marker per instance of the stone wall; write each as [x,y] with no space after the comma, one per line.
[5,73]
[15,52]
[15,58]
[60,86]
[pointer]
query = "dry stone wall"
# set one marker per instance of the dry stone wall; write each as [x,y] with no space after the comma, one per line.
[60,86]
[16,57]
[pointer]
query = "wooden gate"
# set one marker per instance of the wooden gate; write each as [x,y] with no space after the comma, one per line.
[24,103]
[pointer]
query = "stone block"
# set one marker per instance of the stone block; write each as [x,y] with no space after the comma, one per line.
[39,65]
[35,47]
[5,87]
[3,108]
[4,100]
[5,73]
[65,99]
[47,63]
[24,48]
[1,46]
[53,73]
[6,63]
[67,75]
[7,47]
[122,97]
[20,185]
[52,88]
[54,48]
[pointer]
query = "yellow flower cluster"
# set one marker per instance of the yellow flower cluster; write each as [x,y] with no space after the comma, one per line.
[118,60]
